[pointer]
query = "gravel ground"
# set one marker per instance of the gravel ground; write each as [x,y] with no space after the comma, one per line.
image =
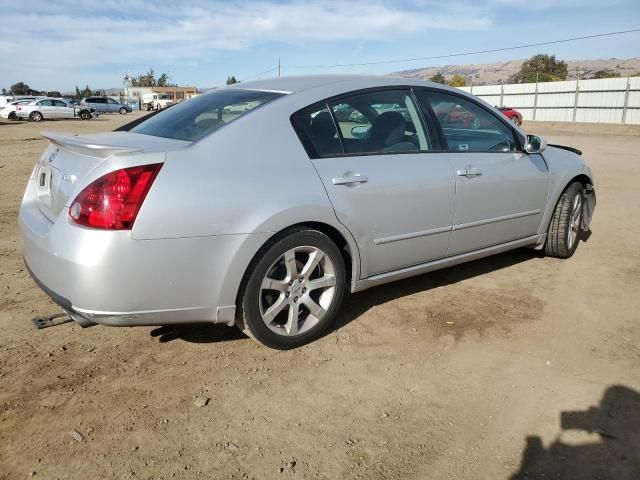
[515,366]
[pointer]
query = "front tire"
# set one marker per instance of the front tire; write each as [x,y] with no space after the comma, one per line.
[123,111]
[294,290]
[36,116]
[516,121]
[565,229]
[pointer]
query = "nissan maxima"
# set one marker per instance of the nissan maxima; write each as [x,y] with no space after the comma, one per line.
[261,204]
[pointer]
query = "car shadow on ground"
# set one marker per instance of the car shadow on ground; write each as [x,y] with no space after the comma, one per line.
[197,333]
[357,304]
[615,453]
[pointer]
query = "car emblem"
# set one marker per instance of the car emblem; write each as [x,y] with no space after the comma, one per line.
[69,178]
[53,156]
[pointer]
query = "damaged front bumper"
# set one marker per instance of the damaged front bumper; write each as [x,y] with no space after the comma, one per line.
[589,206]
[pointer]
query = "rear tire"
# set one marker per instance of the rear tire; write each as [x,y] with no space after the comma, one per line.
[36,116]
[565,228]
[293,291]
[516,121]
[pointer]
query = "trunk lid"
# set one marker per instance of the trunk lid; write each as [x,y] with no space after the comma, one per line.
[69,159]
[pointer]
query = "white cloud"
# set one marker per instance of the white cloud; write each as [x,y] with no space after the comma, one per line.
[49,38]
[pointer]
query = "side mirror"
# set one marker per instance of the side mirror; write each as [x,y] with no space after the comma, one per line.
[535,144]
[360,131]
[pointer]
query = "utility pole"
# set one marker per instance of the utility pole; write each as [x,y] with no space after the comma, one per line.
[278,67]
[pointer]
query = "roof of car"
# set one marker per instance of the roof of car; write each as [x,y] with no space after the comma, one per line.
[305,82]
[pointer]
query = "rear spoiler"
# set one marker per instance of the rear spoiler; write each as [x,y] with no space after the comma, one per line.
[86,147]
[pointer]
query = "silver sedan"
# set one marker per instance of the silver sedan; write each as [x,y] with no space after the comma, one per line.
[260,204]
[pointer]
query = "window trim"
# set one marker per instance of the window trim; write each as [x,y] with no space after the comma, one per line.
[426,105]
[429,130]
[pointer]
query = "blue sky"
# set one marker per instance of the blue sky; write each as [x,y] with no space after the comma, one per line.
[57,44]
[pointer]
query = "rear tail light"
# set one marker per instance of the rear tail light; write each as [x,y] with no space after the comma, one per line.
[112,201]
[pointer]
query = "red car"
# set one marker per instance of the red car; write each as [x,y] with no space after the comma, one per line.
[513,115]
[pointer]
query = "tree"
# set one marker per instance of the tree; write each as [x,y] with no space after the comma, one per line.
[163,80]
[541,68]
[231,80]
[438,78]
[149,80]
[19,88]
[4,91]
[86,92]
[457,81]
[605,74]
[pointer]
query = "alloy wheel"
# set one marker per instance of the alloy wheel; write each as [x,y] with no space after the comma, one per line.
[297,291]
[574,222]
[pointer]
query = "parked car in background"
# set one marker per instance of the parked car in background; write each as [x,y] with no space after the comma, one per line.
[52,108]
[263,217]
[9,110]
[105,105]
[512,114]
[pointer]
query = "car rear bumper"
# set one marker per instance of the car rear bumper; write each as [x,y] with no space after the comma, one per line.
[108,278]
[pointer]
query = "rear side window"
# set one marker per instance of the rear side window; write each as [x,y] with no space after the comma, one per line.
[384,121]
[318,133]
[469,127]
[45,103]
[197,117]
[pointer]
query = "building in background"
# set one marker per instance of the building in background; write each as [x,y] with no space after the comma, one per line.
[176,94]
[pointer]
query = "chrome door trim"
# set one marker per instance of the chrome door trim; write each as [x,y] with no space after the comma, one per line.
[407,236]
[407,272]
[462,226]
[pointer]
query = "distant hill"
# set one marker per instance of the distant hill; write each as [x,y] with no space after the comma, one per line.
[493,73]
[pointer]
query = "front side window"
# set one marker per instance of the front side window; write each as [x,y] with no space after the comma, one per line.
[469,127]
[204,114]
[111,101]
[59,103]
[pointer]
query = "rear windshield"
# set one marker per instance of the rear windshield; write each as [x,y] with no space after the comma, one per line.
[197,117]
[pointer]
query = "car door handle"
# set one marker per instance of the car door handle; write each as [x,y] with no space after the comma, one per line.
[469,171]
[350,180]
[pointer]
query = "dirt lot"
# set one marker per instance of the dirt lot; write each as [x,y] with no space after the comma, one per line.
[471,372]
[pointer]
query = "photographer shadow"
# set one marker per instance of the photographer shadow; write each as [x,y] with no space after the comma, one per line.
[616,454]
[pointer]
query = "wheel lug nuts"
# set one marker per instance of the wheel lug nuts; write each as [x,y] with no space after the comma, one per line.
[304,290]
[290,282]
[295,299]
[301,280]
[287,294]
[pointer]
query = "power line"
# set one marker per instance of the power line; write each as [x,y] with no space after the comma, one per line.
[503,49]
[261,73]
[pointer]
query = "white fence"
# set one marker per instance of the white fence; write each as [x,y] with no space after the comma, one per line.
[607,100]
